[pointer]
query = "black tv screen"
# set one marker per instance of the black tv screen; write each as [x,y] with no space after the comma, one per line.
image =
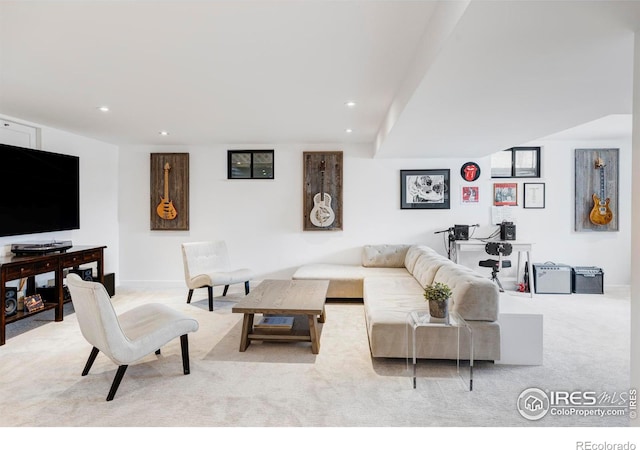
[40,191]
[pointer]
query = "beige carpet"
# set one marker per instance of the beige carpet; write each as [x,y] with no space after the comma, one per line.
[285,385]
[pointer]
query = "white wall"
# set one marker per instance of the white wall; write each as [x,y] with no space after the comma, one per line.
[635,236]
[98,194]
[261,220]
[553,231]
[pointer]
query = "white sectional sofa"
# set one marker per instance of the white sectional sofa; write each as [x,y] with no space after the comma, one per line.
[390,281]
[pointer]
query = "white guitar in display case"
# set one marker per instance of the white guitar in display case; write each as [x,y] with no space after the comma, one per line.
[322,214]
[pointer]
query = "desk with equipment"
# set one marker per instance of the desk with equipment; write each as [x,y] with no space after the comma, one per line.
[478,245]
[521,328]
[500,243]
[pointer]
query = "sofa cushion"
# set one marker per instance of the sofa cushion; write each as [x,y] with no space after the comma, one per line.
[384,255]
[426,267]
[388,302]
[474,296]
[414,252]
[345,281]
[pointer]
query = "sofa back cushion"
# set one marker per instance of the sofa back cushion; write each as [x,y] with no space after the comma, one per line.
[384,255]
[474,297]
[426,255]
[426,267]
[415,252]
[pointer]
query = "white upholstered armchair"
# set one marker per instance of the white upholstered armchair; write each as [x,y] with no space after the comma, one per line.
[129,337]
[206,264]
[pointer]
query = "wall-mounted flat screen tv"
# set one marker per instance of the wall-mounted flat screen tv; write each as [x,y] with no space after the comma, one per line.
[39,191]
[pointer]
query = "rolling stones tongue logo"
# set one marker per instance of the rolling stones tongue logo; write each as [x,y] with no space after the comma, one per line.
[470,171]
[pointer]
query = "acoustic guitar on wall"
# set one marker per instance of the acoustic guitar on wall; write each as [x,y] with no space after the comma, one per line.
[600,213]
[165,209]
[322,215]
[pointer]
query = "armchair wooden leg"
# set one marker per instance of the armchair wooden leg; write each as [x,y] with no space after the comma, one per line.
[226,288]
[190,294]
[184,345]
[116,382]
[246,288]
[92,358]
[210,289]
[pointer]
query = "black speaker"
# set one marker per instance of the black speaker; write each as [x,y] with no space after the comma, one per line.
[110,283]
[10,301]
[507,231]
[48,293]
[461,232]
[85,274]
[588,280]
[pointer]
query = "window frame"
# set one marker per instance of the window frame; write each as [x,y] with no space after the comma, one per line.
[231,153]
[514,168]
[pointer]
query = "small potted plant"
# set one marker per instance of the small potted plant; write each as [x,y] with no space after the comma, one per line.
[438,294]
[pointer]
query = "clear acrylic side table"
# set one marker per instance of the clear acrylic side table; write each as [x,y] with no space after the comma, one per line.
[418,319]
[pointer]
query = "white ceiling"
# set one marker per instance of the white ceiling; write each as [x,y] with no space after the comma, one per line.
[429,78]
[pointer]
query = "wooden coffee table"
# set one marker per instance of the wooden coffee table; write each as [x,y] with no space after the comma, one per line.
[284,298]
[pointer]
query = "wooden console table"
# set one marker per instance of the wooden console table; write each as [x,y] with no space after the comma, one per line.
[17,267]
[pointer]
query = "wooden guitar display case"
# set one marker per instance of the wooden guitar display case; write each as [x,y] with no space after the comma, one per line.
[169,191]
[322,186]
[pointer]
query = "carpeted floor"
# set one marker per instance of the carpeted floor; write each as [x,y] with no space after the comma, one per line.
[285,385]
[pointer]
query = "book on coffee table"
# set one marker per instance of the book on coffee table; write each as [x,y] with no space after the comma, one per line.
[284,323]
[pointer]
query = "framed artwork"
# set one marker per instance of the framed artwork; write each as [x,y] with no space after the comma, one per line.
[424,189]
[249,164]
[169,191]
[596,189]
[470,194]
[470,171]
[533,195]
[322,196]
[505,194]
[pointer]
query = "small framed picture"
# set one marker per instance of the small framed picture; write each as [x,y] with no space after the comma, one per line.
[505,194]
[470,194]
[424,189]
[33,303]
[533,195]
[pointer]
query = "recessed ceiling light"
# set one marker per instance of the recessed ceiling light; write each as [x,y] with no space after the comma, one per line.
[103,108]
[164,133]
[350,104]
[349,130]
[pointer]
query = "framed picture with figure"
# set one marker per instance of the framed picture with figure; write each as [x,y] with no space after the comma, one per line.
[470,195]
[505,194]
[424,189]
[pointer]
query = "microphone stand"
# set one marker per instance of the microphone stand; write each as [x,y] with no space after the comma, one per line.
[450,239]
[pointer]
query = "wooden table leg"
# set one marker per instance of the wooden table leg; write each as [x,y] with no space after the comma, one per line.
[247,326]
[59,314]
[313,332]
[322,317]
[3,318]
